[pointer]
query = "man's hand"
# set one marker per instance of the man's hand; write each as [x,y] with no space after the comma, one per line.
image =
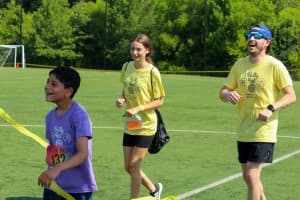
[265,115]
[232,97]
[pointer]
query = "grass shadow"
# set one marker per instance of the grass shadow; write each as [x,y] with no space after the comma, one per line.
[23,198]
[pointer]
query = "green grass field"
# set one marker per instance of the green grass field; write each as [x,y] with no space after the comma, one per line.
[202,149]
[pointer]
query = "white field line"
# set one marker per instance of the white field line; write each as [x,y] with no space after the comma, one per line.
[230,178]
[170,130]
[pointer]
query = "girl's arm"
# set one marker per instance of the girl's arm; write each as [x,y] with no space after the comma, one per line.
[151,105]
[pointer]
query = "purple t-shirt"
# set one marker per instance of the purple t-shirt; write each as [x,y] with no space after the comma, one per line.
[62,131]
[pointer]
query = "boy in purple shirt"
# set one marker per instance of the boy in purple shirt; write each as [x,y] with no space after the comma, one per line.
[69,132]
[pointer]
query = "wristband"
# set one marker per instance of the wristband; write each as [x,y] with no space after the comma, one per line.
[271,108]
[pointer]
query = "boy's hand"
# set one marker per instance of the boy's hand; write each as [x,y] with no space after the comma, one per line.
[48,176]
[44,180]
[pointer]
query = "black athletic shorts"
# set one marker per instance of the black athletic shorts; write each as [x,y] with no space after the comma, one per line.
[137,140]
[257,152]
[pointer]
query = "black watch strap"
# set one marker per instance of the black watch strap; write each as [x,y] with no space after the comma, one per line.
[271,108]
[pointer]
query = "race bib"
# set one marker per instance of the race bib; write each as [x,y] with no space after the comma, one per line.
[56,155]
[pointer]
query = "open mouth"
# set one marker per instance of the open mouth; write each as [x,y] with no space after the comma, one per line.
[251,44]
[49,94]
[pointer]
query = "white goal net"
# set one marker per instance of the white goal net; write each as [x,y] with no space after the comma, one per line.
[12,56]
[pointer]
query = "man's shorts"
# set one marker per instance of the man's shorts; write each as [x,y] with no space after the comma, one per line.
[257,152]
[137,140]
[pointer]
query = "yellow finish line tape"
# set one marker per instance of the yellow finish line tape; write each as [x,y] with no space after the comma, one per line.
[60,192]
[23,130]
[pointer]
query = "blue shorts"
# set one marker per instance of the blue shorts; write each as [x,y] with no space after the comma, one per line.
[137,140]
[50,195]
[257,152]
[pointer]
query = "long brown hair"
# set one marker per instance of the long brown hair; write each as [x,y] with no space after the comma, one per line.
[145,41]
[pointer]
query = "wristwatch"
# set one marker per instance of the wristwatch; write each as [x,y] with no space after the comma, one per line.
[271,108]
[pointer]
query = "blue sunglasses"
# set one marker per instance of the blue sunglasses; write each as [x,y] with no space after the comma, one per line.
[255,35]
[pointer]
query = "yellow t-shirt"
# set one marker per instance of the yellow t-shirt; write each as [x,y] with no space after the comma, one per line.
[140,87]
[259,85]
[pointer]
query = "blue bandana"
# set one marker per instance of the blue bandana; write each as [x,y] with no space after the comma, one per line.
[262,29]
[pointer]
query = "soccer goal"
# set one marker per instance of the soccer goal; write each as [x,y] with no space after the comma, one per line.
[12,56]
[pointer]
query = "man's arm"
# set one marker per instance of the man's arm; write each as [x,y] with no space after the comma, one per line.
[288,98]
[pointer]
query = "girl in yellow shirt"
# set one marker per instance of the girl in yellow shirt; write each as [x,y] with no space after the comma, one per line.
[142,92]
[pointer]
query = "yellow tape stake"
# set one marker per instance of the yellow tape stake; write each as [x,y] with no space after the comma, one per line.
[42,142]
[170,198]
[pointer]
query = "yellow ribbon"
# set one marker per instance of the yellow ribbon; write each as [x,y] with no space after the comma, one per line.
[60,192]
[43,143]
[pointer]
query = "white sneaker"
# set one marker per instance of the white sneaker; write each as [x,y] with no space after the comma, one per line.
[158,191]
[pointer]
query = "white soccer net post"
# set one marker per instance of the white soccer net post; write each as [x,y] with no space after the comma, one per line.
[12,55]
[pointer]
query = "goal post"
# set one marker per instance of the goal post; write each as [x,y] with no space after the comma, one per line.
[12,56]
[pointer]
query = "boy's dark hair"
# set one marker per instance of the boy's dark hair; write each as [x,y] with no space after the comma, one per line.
[68,76]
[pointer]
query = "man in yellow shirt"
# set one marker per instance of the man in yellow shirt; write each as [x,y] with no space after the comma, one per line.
[260,86]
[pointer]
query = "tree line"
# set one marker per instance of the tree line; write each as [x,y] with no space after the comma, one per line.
[187,35]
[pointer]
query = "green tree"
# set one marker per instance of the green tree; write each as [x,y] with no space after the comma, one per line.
[89,33]
[9,24]
[186,34]
[286,37]
[242,16]
[126,18]
[53,40]
[179,35]
[217,54]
